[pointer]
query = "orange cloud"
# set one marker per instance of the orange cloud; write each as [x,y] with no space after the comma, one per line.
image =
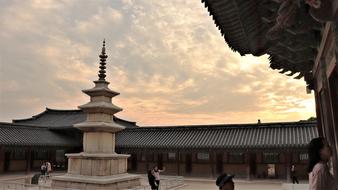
[167,59]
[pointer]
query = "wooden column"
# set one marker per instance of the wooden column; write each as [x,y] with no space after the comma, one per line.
[288,158]
[28,160]
[2,159]
[333,95]
[318,114]
[178,162]
[147,162]
[248,166]
[212,164]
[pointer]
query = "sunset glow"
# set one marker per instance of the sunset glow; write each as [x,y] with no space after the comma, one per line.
[166,58]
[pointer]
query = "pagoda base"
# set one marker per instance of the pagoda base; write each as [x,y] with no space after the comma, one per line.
[97,171]
[113,182]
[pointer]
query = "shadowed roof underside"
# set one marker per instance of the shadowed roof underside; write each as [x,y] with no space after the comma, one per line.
[251,27]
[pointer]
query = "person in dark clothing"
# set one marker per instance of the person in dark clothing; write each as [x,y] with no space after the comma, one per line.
[294,175]
[43,168]
[224,182]
[151,180]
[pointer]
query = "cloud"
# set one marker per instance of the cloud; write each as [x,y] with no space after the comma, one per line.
[167,59]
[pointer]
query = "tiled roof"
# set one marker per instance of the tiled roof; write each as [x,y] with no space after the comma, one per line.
[250,27]
[53,118]
[246,136]
[19,135]
[240,23]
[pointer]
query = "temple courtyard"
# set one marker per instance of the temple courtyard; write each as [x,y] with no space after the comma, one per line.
[206,184]
[18,181]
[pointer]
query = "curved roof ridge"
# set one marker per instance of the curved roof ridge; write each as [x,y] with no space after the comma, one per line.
[222,127]
[62,118]
[63,110]
[236,125]
[47,110]
[7,124]
[30,118]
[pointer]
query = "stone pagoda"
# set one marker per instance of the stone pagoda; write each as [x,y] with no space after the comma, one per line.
[98,166]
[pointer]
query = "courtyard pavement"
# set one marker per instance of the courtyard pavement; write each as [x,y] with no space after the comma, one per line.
[196,183]
[209,184]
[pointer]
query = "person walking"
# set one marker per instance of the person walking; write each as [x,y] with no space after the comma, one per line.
[294,175]
[156,173]
[320,177]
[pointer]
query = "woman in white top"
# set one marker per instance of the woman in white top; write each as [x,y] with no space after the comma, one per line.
[320,177]
[156,173]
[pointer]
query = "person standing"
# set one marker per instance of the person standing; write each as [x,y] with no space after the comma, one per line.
[43,168]
[156,173]
[294,175]
[320,177]
[43,171]
[49,168]
[151,180]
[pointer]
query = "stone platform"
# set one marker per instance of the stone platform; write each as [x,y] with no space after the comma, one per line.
[97,164]
[97,171]
[114,182]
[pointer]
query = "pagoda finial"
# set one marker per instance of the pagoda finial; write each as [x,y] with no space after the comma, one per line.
[103,57]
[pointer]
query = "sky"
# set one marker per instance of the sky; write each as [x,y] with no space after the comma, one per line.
[166,58]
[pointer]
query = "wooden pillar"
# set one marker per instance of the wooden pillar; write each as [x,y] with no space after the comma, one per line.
[251,165]
[178,162]
[28,160]
[318,114]
[288,158]
[248,165]
[2,159]
[147,161]
[212,164]
[333,96]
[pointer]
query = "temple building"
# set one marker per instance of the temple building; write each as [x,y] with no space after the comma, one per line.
[250,151]
[99,149]
[301,40]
